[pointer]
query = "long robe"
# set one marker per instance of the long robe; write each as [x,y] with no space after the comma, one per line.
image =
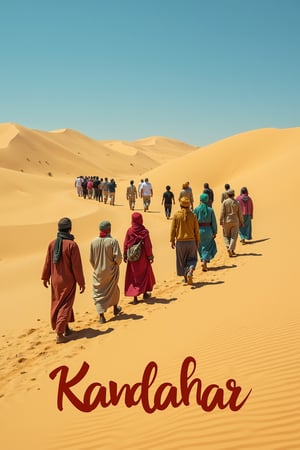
[64,276]
[208,229]
[139,277]
[246,203]
[105,258]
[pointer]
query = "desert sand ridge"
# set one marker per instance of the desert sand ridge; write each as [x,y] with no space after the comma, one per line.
[239,320]
[64,152]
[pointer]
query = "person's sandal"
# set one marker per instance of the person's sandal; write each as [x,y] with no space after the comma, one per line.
[102,318]
[117,310]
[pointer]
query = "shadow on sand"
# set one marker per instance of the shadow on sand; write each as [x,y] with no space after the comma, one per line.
[248,254]
[87,333]
[257,241]
[200,284]
[124,316]
[153,300]
[215,269]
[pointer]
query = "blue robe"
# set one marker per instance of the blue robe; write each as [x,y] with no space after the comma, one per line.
[207,248]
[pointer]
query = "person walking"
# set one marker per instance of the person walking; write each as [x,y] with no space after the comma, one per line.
[167,200]
[140,187]
[208,230]
[146,194]
[185,238]
[139,277]
[105,258]
[111,186]
[187,192]
[63,267]
[104,186]
[208,190]
[231,218]
[246,203]
[131,194]
[224,194]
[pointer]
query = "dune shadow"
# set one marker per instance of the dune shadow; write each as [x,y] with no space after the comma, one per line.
[88,333]
[153,300]
[215,269]
[124,316]
[257,240]
[200,284]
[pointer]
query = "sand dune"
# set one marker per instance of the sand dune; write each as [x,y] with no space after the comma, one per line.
[239,320]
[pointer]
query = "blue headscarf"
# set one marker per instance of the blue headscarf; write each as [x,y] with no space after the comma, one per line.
[203,206]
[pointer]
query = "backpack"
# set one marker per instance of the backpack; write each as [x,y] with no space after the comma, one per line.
[134,252]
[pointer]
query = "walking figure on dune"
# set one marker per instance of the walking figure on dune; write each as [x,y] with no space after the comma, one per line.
[131,194]
[105,258]
[139,277]
[185,238]
[246,203]
[231,218]
[208,230]
[64,267]
[187,192]
[146,194]
[167,200]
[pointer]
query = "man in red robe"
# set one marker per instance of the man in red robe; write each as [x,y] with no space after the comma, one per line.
[63,265]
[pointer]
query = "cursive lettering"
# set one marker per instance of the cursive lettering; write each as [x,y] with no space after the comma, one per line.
[144,392]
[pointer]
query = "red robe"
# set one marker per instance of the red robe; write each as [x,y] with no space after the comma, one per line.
[139,277]
[64,276]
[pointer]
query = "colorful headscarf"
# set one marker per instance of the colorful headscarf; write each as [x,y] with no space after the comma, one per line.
[64,226]
[203,207]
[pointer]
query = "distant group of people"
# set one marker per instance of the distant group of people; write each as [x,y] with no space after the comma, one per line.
[192,233]
[96,188]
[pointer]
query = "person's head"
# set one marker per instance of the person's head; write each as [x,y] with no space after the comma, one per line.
[185,202]
[131,182]
[142,180]
[244,190]
[105,226]
[230,193]
[65,225]
[227,186]
[203,198]
[206,185]
[185,185]
[146,180]
[136,218]
[168,188]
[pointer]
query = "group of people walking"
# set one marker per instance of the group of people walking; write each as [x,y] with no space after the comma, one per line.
[96,188]
[63,270]
[192,233]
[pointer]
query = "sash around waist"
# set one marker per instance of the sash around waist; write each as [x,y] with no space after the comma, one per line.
[204,224]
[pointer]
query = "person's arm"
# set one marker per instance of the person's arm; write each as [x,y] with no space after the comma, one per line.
[77,267]
[240,215]
[222,214]
[46,273]
[196,231]
[117,252]
[173,232]
[214,225]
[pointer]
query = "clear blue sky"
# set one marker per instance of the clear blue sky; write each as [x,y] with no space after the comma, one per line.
[193,70]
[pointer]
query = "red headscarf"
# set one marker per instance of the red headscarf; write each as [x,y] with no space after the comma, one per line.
[137,231]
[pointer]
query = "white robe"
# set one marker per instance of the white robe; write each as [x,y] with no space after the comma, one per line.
[105,258]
